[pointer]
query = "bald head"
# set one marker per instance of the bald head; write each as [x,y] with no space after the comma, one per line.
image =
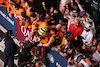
[76,22]
[58,26]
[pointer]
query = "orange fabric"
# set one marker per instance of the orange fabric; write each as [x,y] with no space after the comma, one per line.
[45,40]
[28,12]
[34,27]
[31,1]
[26,25]
[1,1]
[23,5]
[18,1]
[10,7]
[39,25]
[60,34]
[53,26]
[6,2]
[19,11]
[42,25]
[47,20]
[52,39]
[20,22]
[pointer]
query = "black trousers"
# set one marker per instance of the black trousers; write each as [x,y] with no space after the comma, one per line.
[11,59]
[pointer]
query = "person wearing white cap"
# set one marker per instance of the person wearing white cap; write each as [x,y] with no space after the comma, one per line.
[73,15]
[87,35]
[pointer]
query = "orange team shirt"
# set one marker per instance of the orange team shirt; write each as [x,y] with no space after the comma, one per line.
[28,12]
[26,24]
[45,40]
[52,39]
[60,34]
[18,1]
[1,1]
[23,5]
[31,1]
[19,11]
[5,2]
[10,8]
[39,25]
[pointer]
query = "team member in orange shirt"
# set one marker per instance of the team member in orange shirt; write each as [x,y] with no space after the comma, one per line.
[25,21]
[30,8]
[10,8]
[44,37]
[38,24]
[54,39]
[33,18]
[23,4]
[3,3]
[18,11]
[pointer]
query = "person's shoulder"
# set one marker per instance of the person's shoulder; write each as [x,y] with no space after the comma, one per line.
[71,25]
[80,27]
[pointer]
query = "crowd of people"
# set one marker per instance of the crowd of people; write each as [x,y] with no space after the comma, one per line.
[67,26]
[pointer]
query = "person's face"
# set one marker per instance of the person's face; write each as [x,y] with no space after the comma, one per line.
[66,42]
[47,16]
[94,42]
[51,10]
[98,48]
[76,22]
[63,29]
[51,32]
[21,44]
[63,9]
[67,6]
[32,18]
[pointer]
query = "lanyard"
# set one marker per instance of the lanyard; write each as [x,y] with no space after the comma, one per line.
[86,35]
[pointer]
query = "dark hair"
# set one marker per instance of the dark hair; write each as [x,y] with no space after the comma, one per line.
[33,15]
[17,5]
[29,3]
[12,0]
[8,34]
[64,20]
[54,30]
[23,14]
[41,17]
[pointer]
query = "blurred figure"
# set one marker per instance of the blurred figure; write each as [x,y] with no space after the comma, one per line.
[92,47]
[10,7]
[64,50]
[85,62]
[95,4]
[71,62]
[9,48]
[96,54]
[87,35]
[25,21]
[75,28]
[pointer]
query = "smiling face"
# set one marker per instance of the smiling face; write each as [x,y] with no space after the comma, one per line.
[94,41]
[66,42]
[76,23]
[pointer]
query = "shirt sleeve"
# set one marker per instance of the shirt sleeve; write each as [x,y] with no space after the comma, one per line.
[51,39]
